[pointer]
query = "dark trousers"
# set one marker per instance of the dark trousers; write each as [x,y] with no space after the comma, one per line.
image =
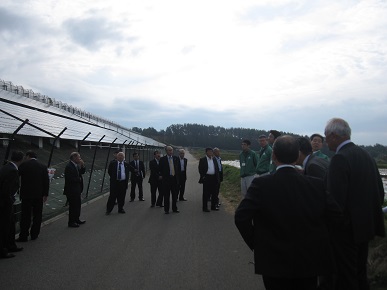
[276,283]
[351,260]
[117,192]
[154,187]
[181,188]
[74,208]
[136,181]
[209,190]
[34,207]
[170,188]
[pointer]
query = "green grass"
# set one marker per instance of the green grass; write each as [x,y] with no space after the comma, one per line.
[230,188]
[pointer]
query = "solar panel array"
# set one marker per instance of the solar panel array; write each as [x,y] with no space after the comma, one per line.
[45,120]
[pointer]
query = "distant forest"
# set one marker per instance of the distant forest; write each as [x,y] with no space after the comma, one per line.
[196,135]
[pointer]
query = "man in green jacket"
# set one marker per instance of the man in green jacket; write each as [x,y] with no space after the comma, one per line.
[273,134]
[317,142]
[264,156]
[248,161]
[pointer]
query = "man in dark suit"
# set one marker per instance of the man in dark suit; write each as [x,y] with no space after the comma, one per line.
[311,164]
[283,219]
[354,181]
[183,174]
[155,180]
[33,194]
[9,185]
[137,170]
[118,171]
[170,171]
[73,188]
[209,177]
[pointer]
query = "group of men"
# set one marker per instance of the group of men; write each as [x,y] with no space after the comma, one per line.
[29,177]
[168,175]
[310,226]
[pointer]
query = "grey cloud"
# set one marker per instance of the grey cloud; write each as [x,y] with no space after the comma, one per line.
[15,24]
[92,32]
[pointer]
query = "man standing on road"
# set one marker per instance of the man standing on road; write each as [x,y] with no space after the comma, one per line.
[33,194]
[170,171]
[119,178]
[264,156]
[273,135]
[218,159]
[354,181]
[137,170]
[155,180]
[183,174]
[283,220]
[311,164]
[209,177]
[248,162]
[9,185]
[317,142]
[73,188]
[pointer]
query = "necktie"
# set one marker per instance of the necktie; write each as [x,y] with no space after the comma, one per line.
[171,167]
[119,171]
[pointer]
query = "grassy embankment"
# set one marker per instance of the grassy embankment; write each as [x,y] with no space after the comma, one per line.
[230,191]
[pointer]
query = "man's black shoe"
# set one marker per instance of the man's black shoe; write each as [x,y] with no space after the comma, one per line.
[14,250]
[21,240]
[73,225]
[206,210]
[81,222]
[176,211]
[7,255]
[121,211]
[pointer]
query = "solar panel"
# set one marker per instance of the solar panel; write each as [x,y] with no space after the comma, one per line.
[45,120]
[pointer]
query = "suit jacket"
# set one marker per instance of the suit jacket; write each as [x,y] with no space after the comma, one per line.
[9,184]
[34,179]
[283,218]
[113,171]
[73,179]
[141,172]
[164,167]
[183,174]
[203,168]
[316,166]
[354,181]
[155,172]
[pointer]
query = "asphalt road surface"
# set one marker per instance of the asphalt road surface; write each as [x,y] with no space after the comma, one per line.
[142,249]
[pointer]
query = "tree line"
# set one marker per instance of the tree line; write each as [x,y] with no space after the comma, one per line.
[197,135]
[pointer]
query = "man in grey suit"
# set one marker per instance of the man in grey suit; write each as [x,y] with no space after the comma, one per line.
[311,164]
[354,181]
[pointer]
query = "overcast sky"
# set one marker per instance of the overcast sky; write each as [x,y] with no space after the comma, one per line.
[275,64]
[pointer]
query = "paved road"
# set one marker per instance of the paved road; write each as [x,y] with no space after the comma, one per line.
[142,249]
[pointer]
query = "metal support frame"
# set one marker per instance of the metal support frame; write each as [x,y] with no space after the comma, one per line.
[12,139]
[106,163]
[53,146]
[92,166]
